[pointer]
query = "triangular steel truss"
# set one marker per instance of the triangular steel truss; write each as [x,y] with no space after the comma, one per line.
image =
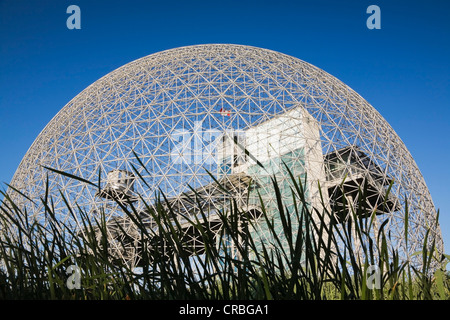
[170,108]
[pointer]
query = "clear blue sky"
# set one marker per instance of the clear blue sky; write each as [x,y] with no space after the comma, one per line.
[403,69]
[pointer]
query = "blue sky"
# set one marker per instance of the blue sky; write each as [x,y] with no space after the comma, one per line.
[403,69]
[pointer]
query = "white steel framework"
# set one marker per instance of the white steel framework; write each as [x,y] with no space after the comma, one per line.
[180,111]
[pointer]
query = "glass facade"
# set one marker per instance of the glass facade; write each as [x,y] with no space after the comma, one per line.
[276,169]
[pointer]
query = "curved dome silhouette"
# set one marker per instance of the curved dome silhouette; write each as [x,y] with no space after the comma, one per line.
[181,110]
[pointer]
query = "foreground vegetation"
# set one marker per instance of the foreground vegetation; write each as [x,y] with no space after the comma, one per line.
[37,258]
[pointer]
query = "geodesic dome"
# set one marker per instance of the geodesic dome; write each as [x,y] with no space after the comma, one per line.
[184,112]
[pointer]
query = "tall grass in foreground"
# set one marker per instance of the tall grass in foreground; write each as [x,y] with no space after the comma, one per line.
[317,263]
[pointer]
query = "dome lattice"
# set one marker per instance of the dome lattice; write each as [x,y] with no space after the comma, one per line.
[180,111]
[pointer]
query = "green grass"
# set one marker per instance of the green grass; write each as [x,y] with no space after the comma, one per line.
[307,265]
